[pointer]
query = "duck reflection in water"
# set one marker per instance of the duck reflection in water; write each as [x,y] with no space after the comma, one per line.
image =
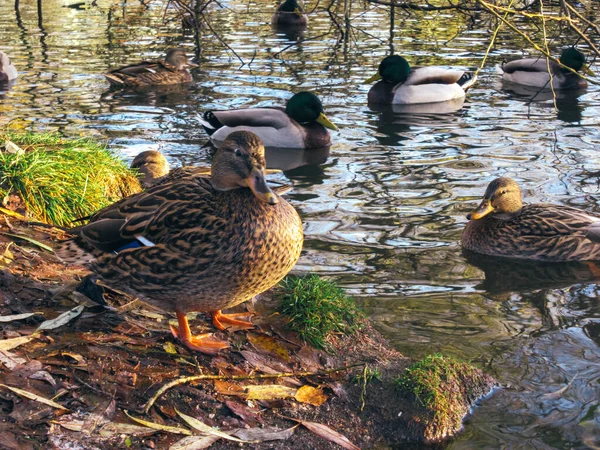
[567,101]
[506,274]
[393,122]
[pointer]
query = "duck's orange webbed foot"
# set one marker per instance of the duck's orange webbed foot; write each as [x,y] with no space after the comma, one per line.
[204,343]
[220,318]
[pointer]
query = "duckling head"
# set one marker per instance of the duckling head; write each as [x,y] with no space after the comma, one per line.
[305,107]
[151,166]
[393,69]
[502,196]
[178,58]
[240,163]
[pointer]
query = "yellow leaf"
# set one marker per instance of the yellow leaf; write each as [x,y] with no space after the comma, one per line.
[269,345]
[9,344]
[158,426]
[269,392]
[35,397]
[205,429]
[170,348]
[310,395]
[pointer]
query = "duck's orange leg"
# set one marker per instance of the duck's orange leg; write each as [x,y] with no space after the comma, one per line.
[219,318]
[204,343]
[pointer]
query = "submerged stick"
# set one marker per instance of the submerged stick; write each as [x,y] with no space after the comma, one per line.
[189,379]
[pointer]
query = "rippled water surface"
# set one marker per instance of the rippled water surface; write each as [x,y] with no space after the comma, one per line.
[383,211]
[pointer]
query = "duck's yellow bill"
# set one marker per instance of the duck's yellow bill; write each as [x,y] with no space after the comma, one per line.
[482,210]
[323,120]
[586,69]
[375,77]
[258,185]
[191,63]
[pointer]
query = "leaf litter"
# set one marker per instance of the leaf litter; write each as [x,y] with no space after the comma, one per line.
[116,376]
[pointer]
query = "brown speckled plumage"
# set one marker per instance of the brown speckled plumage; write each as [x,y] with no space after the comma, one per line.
[173,70]
[542,232]
[216,244]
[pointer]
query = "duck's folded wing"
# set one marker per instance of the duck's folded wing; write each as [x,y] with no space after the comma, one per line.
[528,65]
[143,68]
[253,117]
[433,75]
[549,220]
[142,219]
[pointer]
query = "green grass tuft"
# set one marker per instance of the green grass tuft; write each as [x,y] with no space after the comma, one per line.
[61,180]
[316,308]
[440,383]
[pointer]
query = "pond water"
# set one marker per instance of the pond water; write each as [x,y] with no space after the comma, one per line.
[383,211]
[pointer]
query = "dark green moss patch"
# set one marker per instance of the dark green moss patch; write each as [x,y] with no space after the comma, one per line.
[317,308]
[444,387]
[59,180]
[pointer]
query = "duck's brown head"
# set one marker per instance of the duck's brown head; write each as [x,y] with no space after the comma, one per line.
[240,162]
[178,58]
[502,196]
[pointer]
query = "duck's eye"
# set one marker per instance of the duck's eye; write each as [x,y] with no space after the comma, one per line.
[237,152]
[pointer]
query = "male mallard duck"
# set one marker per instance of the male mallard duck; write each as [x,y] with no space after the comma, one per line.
[192,243]
[401,84]
[300,125]
[534,71]
[8,71]
[289,14]
[173,70]
[502,226]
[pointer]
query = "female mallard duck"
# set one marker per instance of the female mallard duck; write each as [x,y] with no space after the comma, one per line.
[8,71]
[289,14]
[536,71]
[300,125]
[502,226]
[401,84]
[173,70]
[192,243]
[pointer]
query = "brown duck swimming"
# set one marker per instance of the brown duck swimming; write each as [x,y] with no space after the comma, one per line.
[192,243]
[503,226]
[173,70]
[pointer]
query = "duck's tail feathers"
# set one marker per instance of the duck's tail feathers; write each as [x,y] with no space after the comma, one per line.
[76,251]
[210,122]
[467,80]
[114,80]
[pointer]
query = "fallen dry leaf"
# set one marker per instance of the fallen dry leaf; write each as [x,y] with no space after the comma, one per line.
[158,426]
[205,429]
[116,428]
[61,320]
[34,397]
[248,415]
[9,344]
[194,443]
[327,433]
[226,388]
[269,392]
[265,434]
[269,345]
[10,360]
[310,395]
[17,317]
